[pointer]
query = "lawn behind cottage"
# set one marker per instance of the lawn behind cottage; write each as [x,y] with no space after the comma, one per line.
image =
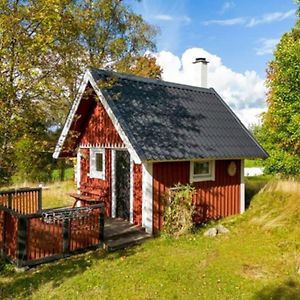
[258,259]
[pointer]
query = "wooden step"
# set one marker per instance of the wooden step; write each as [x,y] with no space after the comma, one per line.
[115,233]
[120,234]
[126,240]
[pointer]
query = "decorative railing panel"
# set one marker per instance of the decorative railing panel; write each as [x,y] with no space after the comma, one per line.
[84,232]
[29,239]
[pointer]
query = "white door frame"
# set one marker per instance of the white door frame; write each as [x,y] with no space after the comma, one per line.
[78,169]
[147,197]
[113,184]
[242,188]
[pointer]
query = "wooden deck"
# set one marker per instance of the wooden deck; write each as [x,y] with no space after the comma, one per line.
[120,234]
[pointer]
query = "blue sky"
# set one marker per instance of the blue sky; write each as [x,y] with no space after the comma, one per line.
[240,32]
[237,37]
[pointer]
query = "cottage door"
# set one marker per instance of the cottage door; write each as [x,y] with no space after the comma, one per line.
[122,184]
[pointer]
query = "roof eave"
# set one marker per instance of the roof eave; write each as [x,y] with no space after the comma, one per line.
[70,118]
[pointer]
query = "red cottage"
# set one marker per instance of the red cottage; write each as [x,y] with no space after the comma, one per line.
[135,138]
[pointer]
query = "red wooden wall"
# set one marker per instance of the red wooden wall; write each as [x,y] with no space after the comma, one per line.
[213,199]
[95,183]
[99,128]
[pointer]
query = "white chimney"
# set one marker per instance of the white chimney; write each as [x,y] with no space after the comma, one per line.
[200,71]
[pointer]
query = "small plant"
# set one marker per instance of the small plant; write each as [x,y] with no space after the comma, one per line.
[178,217]
[5,268]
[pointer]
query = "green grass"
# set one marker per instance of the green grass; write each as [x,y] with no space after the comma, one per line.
[69,174]
[258,259]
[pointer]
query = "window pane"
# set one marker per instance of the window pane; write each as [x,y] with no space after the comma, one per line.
[99,162]
[201,168]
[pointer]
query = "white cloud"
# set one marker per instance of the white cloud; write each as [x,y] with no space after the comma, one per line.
[227,6]
[226,22]
[266,46]
[243,92]
[185,19]
[163,17]
[271,17]
[254,21]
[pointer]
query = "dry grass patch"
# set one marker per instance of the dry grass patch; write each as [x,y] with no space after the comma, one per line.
[253,271]
[286,186]
[56,194]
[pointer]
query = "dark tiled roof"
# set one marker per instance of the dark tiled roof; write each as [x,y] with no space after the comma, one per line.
[166,121]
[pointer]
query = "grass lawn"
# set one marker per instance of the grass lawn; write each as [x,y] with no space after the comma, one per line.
[56,194]
[258,259]
[69,174]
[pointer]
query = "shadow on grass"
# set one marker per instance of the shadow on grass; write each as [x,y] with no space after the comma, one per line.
[253,185]
[22,285]
[288,290]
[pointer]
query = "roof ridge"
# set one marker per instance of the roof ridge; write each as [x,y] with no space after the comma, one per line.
[152,81]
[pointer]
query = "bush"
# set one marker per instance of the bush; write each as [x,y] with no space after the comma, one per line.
[178,217]
[32,164]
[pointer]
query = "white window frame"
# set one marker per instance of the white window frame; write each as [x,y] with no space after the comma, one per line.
[93,172]
[210,176]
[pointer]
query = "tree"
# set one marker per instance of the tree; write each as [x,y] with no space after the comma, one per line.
[144,66]
[280,132]
[45,45]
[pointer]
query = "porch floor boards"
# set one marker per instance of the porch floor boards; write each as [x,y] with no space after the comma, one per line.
[120,234]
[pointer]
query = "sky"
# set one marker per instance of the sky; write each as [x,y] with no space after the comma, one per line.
[236,37]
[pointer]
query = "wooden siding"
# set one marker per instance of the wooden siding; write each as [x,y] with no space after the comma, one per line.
[99,128]
[137,194]
[213,199]
[95,183]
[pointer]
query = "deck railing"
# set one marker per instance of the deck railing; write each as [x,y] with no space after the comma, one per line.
[33,238]
[24,200]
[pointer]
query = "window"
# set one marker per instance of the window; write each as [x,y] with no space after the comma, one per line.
[202,170]
[97,163]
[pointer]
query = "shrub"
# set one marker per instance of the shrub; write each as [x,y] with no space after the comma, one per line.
[32,163]
[178,216]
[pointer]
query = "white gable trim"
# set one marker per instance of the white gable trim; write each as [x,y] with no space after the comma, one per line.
[71,116]
[114,120]
[89,78]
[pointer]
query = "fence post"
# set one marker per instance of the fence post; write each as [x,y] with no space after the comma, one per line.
[39,199]
[66,237]
[3,249]
[101,225]
[22,241]
[9,200]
